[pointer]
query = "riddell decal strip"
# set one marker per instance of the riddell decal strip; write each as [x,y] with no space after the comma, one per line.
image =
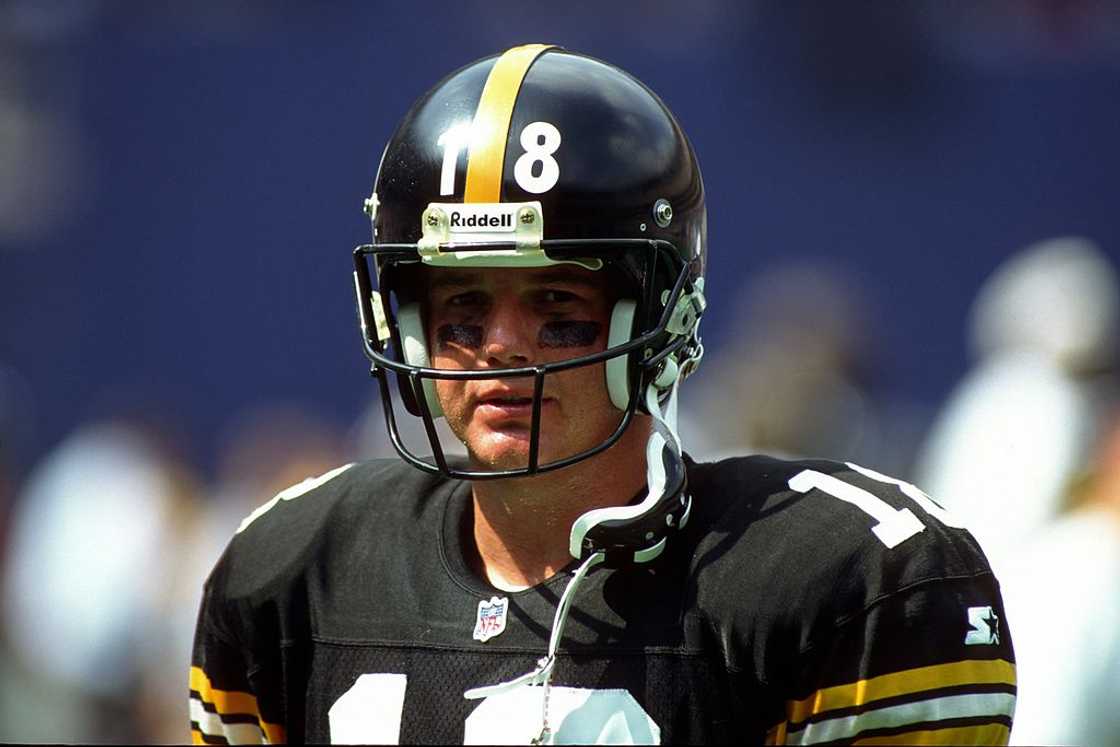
[491,123]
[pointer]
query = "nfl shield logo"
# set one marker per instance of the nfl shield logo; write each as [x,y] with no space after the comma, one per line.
[491,618]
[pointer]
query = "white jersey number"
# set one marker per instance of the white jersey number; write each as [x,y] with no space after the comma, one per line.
[370,713]
[893,526]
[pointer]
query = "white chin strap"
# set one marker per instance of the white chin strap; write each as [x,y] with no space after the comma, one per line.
[664,436]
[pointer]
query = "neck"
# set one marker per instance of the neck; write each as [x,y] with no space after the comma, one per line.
[521,525]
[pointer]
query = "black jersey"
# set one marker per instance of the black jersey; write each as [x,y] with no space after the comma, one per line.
[804,602]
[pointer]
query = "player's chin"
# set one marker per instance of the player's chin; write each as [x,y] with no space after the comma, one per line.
[508,448]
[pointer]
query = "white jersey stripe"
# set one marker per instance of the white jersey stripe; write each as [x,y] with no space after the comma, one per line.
[921,712]
[294,491]
[211,725]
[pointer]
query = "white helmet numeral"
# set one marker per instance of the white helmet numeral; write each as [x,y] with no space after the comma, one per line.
[453,140]
[540,140]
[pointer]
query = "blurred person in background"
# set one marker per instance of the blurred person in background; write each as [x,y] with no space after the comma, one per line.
[800,380]
[95,543]
[111,541]
[1061,585]
[1019,428]
[262,449]
[266,448]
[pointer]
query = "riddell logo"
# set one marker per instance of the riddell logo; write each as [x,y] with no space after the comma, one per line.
[503,220]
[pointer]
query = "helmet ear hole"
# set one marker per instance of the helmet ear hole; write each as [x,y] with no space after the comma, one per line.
[414,349]
[618,368]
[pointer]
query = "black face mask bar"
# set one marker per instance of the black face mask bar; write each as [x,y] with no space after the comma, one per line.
[656,256]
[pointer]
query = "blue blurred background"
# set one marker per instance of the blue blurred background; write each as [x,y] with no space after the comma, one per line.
[181,186]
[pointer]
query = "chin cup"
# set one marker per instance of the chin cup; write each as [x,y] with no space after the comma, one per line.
[638,533]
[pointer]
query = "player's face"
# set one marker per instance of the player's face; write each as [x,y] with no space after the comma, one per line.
[509,318]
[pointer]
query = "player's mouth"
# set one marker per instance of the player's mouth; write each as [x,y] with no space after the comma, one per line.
[508,406]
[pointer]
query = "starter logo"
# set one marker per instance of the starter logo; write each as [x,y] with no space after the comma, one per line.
[985,627]
[491,618]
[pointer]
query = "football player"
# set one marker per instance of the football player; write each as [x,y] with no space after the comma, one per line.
[534,286]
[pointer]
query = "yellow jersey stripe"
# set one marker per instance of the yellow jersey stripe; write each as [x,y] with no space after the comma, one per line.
[226,701]
[229,702]
[925,713]
[776,734]
[212,727]
[491,123]
[962,735]
[274,733]
[987,734]
[992,671]
[196,737]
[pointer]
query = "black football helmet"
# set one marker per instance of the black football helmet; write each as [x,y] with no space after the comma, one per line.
[535,157]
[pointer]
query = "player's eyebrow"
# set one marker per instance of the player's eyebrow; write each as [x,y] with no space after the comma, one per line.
[452,279]
[569,277]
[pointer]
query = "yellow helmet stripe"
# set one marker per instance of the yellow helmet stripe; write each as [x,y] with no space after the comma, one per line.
[491,123]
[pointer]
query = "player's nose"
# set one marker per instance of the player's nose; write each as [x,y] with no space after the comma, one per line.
[509,338]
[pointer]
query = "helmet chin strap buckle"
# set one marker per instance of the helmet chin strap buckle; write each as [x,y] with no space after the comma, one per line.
[638,533]
[688,310]
[668,374]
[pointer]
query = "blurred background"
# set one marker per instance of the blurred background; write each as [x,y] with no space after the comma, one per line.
[913,223]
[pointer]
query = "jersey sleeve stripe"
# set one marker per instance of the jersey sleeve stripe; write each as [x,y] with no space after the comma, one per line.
[212,725]
[274,733]
[941,692]
[225,701]
[972,734]
[197,737]
[217,712]
[963,735]
[227,718]
[776,734]
[951,711]
[910,681]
